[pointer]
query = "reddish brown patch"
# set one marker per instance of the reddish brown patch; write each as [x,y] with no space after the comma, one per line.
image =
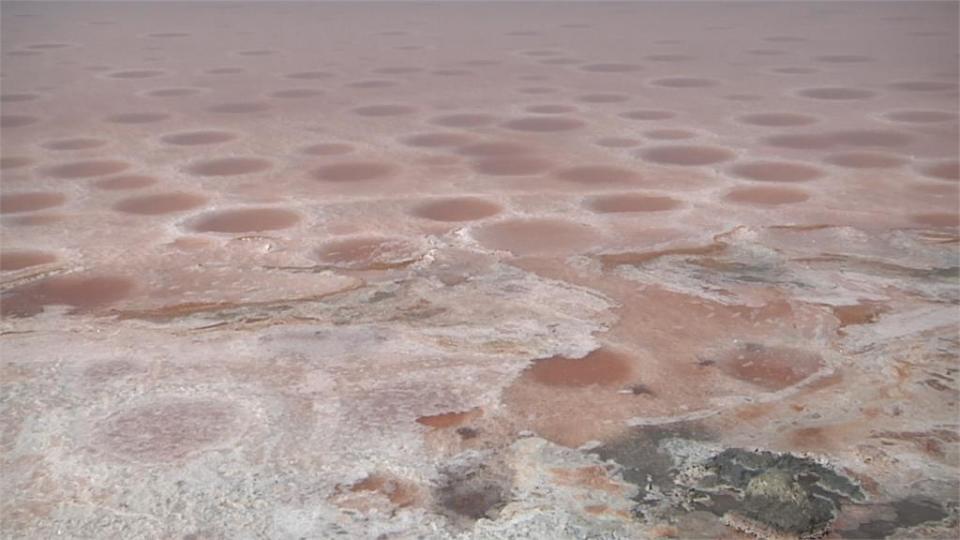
[239,220]
[160,203]
[12,203]
[166,313]
[810,437]
[632,202]
[665,531]
[863,313]
[603,510]
[752,412]
[772,368]
[571,401]
[82,293]
[450,419]
[649,320]
[401,494]
[929,442]
[595,509]
[593,477]
[903,373]
[937,219]
[868,484]
[18,259]
[354,171]
[538,236]
[457,209]
[37,219]
[601,367]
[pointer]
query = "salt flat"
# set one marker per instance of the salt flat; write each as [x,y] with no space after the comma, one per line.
[479,270]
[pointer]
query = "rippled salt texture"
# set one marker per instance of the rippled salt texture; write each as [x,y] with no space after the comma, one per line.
[267,268]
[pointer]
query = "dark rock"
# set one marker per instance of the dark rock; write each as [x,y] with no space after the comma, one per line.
[779,493]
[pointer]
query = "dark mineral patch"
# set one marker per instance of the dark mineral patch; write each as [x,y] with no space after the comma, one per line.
[467,432]
[736,271]
[644,463]
[469,492]
[911,512]
[774,494]
[641,389]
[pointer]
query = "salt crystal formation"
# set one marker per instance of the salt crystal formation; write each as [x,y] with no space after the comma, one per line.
[479,270]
